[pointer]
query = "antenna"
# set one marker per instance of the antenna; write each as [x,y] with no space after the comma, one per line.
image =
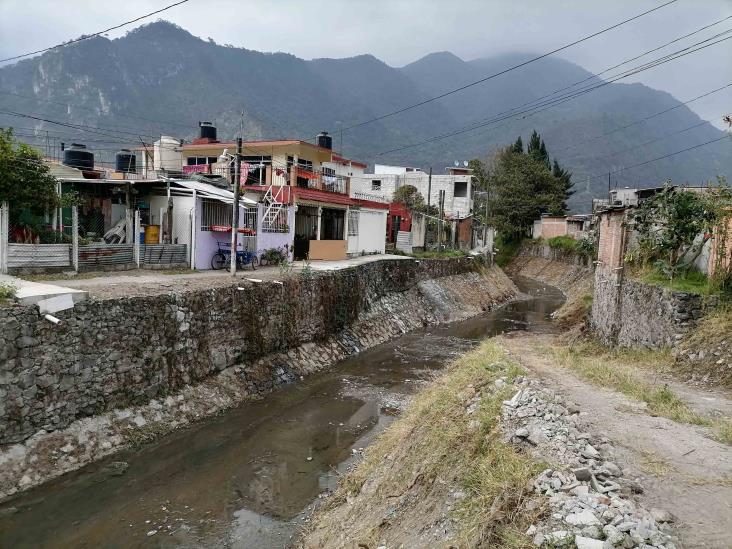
[456,163]
[465,163]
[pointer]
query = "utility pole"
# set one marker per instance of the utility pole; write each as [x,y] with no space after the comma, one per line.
[429,190]
[237,191]
[608,189]
[439,223]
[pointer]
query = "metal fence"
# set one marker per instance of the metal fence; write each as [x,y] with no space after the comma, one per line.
[77,252]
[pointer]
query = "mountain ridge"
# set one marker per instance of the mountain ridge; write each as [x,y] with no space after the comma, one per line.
[164,73]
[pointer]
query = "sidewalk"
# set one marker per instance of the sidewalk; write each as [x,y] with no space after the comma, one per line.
[144,282]
[39,293]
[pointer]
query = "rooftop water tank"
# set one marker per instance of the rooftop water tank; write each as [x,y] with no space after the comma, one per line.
[207,131]
[167,154]
[77,156]
[125,161]
[325,140]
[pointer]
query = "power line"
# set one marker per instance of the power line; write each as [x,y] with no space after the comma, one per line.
[573,95]
[538,100]
[514,67]
[661,157]
[88,36]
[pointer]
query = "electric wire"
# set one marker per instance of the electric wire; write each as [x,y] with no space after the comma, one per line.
[88,36]
[512,68]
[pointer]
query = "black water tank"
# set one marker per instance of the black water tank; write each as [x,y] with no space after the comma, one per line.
[207,130]
[325,140]
[77,156]
[125,161]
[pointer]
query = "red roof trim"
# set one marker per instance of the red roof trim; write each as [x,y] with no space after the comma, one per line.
[343,160]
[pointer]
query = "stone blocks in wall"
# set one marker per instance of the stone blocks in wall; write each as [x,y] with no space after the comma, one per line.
[630,313]
[119,352]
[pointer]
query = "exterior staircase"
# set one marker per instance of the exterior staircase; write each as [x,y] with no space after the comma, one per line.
[275,212]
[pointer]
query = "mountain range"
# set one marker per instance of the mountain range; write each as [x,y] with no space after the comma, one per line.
[160,79]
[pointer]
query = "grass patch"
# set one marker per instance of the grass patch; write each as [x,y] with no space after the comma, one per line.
[434,254]
[565,243]
[609,368]
[693,282]
[433,446]
[653,464]
[723,431]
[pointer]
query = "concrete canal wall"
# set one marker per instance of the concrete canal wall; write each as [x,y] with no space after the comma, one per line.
[114,353]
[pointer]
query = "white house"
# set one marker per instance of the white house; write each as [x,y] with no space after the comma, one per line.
[456,182]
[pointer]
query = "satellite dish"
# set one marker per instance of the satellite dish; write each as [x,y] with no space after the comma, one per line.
[465,163]
[456,163]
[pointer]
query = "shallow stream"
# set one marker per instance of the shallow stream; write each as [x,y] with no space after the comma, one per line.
[249,477]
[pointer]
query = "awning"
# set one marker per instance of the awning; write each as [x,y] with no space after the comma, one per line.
[210,191]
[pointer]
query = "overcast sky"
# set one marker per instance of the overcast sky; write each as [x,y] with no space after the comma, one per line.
[401,31]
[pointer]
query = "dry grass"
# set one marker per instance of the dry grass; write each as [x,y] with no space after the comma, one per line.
[653,464]
[431,447]
[723,431]
[617,369]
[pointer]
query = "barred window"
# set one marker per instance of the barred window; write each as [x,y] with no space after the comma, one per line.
[215,213]
[353,222]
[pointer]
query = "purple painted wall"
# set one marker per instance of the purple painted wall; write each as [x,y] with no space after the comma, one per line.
[266,241]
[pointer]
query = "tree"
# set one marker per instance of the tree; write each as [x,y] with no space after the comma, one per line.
[25,180]
[674,225]
[521,189]
[518,146]
[410,197]
[565,177]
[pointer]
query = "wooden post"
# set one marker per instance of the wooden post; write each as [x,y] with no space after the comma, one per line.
[4,236]
[75,238]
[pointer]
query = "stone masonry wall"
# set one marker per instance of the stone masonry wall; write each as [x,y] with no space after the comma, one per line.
[120,352]
[630,313]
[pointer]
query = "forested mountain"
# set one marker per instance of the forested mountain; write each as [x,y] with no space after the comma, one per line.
[160,79]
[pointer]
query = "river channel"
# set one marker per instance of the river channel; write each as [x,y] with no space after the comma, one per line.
[249,478]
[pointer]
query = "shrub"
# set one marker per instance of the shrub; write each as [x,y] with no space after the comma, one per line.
[7,292]
[566,243]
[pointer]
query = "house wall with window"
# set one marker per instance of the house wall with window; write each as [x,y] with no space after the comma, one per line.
[458,188]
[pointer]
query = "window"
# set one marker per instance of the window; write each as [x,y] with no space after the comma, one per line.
[329,172]
[200,160]
[376,184]
[215,213]
[353,222]
[461,189]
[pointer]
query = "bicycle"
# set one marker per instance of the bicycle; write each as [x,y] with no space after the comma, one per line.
[222,258]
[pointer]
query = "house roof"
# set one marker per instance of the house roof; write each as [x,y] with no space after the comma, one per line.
[345,161]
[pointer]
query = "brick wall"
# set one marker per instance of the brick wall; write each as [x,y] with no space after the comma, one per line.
[553,226]
[611,247]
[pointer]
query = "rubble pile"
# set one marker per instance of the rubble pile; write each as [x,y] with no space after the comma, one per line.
[588,495]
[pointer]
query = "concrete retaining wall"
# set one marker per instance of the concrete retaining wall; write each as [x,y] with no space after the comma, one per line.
[120,352]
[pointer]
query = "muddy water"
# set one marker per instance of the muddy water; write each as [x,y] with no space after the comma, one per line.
[248,478]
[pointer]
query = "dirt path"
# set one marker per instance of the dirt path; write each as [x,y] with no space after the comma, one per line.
[681,467]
